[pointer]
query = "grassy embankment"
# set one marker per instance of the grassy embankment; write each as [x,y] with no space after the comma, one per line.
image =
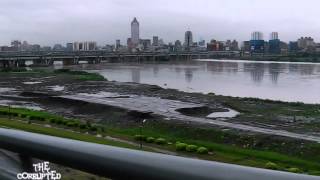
[75,75]
[29,120]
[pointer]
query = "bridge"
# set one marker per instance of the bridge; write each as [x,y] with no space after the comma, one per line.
[43,58]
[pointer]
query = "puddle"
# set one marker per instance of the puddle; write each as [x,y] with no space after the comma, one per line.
[229,114]
[30,83]
[56,88]
[2,90]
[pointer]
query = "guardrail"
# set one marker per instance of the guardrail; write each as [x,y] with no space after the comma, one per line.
[121,163]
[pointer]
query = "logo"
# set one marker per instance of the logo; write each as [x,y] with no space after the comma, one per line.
[42,171]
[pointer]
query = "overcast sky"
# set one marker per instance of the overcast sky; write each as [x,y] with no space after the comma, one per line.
[48,22]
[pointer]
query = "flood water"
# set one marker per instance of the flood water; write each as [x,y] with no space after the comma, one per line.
[267,80]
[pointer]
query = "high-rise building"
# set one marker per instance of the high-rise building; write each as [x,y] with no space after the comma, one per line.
[274,36]
[135,36]
[177,45]
[246,46]
[118,44]
[306,42]
[274,43]
[155,41]
[215,45]
[256,35]
[69,47]
[85,46]
[146,44]
[234,45]
[188,40]
[293,46]
[257,43]
[202,43]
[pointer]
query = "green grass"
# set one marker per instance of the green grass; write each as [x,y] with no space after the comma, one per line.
[227,153]
[222,152]
[60,133]
[81,75]
[75,75]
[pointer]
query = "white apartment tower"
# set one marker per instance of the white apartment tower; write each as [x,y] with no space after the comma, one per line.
[257,36]
[274,36]
[135,36]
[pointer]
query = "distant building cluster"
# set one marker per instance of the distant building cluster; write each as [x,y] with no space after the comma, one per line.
[256,45]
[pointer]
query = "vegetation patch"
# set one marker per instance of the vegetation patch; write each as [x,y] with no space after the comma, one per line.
[81,75]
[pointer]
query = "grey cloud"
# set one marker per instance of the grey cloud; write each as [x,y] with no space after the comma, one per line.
[58,21]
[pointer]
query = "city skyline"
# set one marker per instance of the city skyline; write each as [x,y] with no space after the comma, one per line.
[52,22]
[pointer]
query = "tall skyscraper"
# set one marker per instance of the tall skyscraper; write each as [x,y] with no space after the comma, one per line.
[135,36]
[85,46]
[257,42]
[256,35]
[274,36]
[274,43]
[188,41]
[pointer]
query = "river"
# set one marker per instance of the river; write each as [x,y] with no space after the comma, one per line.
[293,82]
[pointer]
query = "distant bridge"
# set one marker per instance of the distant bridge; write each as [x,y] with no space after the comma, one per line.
[46,58]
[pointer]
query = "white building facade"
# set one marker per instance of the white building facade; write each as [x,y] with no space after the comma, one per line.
[135,33]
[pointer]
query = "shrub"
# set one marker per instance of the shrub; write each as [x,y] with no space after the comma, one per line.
[32,118]
[41,119]
[294,170]
[59,121]
[150,139]
[271,165]
[139,137]
[161,141]
[191,148]
[70,124]
[14,114]
[202,150]
[37,118]
[23,115]
[82,126]
[62,71]
[3,113]
[53,120]
[93,128]
[76,124]
[181,146]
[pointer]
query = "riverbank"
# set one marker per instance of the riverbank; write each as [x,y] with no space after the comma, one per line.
[227,144]
[301,57]
[45,123]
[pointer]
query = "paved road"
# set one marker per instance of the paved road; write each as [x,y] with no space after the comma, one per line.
[167,108]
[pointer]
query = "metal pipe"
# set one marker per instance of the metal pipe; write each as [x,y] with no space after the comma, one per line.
[121,163]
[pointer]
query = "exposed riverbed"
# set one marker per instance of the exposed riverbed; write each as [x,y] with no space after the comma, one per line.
[98,99]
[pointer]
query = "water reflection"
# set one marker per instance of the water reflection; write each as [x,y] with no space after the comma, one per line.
[256,71]
[135,72]
[278,81]
[188,75]
[274,70]
[155,71]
